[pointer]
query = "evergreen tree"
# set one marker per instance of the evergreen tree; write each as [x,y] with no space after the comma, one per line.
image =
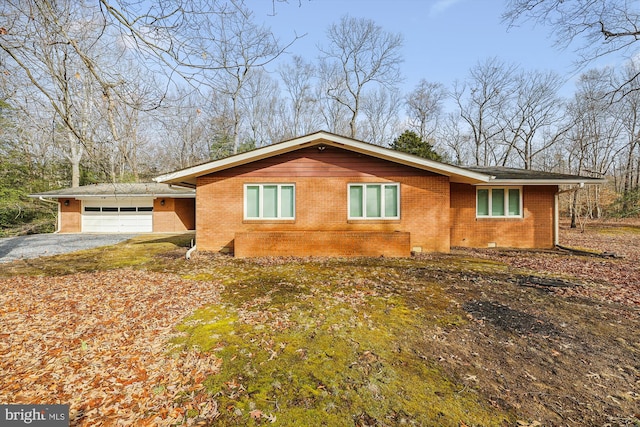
[410,142]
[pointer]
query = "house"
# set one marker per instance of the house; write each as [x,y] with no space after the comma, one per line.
[328,195]
[123,208]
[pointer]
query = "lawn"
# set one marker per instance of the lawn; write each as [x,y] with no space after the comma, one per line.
[135,334]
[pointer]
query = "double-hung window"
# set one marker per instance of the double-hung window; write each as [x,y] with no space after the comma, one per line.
[269,201]
[374,201]
[502,202]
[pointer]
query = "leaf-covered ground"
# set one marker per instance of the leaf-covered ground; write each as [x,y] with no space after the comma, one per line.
[98,341]
[613,278]
[136,335]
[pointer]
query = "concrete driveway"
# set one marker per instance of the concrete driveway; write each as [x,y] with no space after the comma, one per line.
[37,245]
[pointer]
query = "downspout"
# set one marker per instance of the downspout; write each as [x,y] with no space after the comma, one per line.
[556,211]
[190,251]
[57,230]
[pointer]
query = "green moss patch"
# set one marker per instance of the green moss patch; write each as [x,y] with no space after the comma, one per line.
[324,343]
[619,230]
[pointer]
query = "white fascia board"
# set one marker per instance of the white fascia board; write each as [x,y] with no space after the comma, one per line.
[55,196]
[576,181]
[111,196]
[419,162]
[183,177]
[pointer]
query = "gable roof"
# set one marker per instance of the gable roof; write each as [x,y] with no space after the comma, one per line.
[146,189]
[476,176]
[187,177]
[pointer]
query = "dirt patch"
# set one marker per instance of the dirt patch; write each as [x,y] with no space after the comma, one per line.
[508,319]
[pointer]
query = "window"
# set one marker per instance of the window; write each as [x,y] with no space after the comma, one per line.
[374,201]
[499,202]
[115,209]
[269,201]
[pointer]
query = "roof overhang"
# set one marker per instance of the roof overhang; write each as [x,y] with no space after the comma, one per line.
[553,181]
[188,177]
[117,191]
[111,196]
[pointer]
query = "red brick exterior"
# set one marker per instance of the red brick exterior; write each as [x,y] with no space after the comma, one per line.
[70,216]
[321,181]
[325,243]
[534,230]
[176,215]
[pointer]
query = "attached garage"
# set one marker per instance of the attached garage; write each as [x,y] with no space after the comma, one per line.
[124,208]
[130,215]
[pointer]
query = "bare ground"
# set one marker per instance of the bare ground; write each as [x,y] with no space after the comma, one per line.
[547,337]
[563,351]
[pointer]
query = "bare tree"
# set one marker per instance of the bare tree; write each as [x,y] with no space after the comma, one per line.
[263,109]
[335,115]
[455,141]
[359,54]
[46,43]
[298,78]
[594,135]
[482,101]
[381,109]
[601,28]
[239,47]
[186,124]
[629,158]
[72,66]
[424,108]
[534,113]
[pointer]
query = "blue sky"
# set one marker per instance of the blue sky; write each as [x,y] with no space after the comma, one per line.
[443,39]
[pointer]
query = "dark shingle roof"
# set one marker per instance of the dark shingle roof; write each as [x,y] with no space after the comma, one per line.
[504,173]
[146,189]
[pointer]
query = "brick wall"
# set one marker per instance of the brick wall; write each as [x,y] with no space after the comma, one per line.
[534,230]
[70,216]
[175,215]
[321,180]
[322,243]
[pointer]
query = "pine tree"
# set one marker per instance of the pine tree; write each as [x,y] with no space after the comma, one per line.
[410,142]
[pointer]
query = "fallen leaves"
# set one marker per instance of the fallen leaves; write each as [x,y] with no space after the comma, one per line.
[607,279]
[99,343]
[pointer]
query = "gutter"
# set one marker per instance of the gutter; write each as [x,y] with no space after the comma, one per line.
[57,230]
[556,212]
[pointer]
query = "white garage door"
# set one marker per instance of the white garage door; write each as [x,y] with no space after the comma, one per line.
[121,215]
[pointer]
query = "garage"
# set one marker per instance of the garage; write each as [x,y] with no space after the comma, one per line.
[123,208]
[131,215]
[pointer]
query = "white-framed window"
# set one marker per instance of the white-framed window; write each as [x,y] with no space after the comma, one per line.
[269,201]
[499,202]
[374,201]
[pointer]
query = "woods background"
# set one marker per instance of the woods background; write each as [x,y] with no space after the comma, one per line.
[122,91]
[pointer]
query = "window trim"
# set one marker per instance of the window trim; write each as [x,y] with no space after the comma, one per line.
[506,201]
[261,216]
[364,216]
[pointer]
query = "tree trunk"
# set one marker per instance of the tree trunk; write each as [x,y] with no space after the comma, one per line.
[574,209]
[75,154]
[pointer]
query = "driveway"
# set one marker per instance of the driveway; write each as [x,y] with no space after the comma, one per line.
[37,245]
